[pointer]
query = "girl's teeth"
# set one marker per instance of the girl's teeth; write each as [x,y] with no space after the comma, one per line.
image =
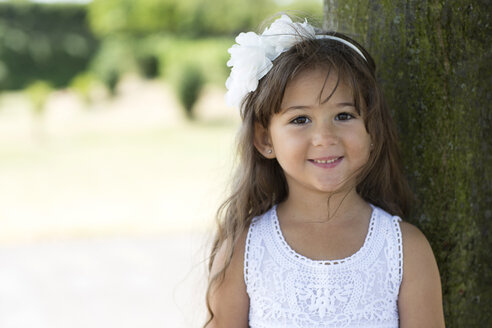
[325,162]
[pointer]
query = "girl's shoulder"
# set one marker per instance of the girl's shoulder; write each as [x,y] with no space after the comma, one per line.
[230,286]
[420,298]
[413,239]
[417,251]
[419,263]
[416,248]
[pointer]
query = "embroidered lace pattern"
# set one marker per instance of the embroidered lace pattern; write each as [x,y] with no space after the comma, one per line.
[287,289]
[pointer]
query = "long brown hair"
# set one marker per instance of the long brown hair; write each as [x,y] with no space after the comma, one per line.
[259,183]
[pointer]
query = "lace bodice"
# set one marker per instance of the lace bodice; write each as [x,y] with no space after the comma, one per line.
[287,289]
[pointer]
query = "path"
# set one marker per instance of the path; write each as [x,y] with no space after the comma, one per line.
[151,282]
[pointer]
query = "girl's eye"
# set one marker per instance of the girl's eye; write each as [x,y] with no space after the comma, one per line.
[300,120]
[344,117]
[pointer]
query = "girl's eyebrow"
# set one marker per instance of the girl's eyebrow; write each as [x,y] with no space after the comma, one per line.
[344,104]
[341,104]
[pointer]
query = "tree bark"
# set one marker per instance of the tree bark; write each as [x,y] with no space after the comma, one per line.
[330,21]
[435,65]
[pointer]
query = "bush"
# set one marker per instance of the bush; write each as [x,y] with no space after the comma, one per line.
[115,57]
[189,87]
[38,92]
[188,64]
[148,66]
[84,85]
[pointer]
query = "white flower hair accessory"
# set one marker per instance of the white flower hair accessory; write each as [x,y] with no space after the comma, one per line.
[253,54]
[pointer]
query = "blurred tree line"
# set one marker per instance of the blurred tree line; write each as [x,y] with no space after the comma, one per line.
[183,41]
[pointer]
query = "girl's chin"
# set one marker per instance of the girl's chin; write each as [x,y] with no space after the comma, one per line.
[322,187]
[333,189]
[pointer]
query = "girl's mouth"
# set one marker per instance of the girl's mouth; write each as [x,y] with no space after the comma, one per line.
[326,162]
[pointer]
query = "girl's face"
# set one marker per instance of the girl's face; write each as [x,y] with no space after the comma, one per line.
[320,146]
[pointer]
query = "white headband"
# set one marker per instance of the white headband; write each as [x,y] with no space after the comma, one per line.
[253,54]
[347,43]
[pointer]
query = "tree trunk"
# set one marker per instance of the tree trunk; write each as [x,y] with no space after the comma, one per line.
[330,22]
[435,65]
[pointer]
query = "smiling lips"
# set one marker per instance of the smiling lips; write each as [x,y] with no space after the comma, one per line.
[327,162]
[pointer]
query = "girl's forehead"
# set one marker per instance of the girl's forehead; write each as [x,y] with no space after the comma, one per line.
[316,85]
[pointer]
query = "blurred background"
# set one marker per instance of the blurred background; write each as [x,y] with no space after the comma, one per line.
[115,149]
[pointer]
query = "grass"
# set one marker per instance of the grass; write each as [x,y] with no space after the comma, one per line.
[144,181]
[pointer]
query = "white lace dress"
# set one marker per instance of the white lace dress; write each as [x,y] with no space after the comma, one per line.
[287,289]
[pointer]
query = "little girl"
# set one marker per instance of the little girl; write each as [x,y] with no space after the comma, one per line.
[311,234]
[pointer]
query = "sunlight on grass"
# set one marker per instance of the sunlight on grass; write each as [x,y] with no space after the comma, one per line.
[139,182]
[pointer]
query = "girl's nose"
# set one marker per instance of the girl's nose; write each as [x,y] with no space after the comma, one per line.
[324,134]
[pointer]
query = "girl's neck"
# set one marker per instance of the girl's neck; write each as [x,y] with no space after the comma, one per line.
[328,209]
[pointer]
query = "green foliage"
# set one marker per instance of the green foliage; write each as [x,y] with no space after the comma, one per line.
[435,65]
[169,57]
[189,87]
[160,55]
[188,17]
[128,16]
[210,55]
[54,42]
[38,93]
[189,63]
[148,66]
[227,17]
[84,83]
[115,57]
[42,42]
[306,8]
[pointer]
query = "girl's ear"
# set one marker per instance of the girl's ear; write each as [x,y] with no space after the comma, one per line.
[263,142]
